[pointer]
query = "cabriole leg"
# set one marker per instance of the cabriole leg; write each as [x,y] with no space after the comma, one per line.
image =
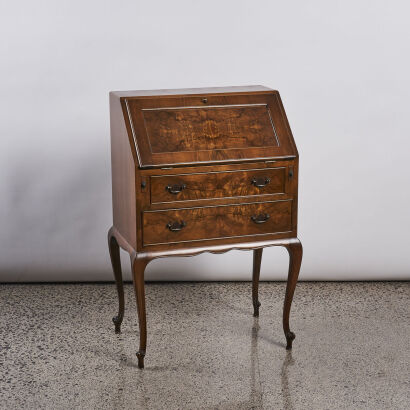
[138,269]
[257,258]
[295,259]
[116,267]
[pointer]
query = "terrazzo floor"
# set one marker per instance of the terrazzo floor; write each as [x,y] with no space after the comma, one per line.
[58,349]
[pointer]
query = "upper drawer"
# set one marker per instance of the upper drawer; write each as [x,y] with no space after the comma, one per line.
[185,187]
[209,128]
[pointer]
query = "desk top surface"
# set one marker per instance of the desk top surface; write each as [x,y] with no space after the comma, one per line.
[192,91]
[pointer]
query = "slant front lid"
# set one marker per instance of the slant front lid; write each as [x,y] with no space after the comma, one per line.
[208,128]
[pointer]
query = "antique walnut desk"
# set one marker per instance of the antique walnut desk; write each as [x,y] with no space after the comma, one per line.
[201,170]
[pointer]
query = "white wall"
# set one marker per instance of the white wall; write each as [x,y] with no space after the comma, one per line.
[342,68]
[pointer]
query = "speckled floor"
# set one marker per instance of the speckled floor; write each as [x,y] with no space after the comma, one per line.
[205,349]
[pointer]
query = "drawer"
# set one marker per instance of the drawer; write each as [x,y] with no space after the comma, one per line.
[186,187]
[215,222]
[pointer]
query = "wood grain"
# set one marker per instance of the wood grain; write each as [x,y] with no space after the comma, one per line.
[206,129]
[218,185]
[209,128]
[216,222]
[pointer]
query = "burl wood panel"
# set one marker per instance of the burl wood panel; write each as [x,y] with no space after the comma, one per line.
[214,222]
[164,137]
[209,128]
[218,185]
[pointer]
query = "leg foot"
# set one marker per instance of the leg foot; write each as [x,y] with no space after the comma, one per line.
[117,323]
[116,267]
[290,337]
[295,259]
[138,269]
[140,355]
[257,258]
[256,309]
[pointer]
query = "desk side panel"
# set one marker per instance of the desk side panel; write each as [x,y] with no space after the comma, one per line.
[123,174]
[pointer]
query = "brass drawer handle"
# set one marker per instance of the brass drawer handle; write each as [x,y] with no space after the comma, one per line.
[260,182]
[175,189]
[176,226]
[260,219]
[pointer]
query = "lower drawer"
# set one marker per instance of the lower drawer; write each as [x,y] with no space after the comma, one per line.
[213,222]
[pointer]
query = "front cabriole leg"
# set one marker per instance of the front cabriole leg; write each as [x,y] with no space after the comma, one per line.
[257,258]
[295,259]
[138,268]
